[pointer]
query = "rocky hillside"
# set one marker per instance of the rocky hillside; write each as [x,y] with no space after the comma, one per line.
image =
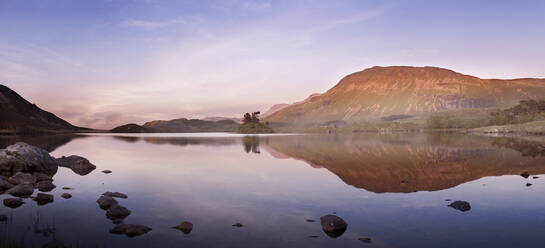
[400,90]
[17,115]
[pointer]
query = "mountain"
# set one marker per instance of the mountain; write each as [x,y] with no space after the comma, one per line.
[181,125]
[17,115]
[402,90]
[216,118]
[277,107]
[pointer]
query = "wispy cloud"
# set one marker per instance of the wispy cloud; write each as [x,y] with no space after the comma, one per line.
[148,24]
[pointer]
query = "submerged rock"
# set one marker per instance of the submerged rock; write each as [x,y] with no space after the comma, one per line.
[115,194]
[460,205]
[66,196]
[106,171]
[22,178]
[525,174]
[237,225]
[365,240]
[66,188]
[313,236]
[117,212]
[310,220]
[528,184]
[43,199]
[105,202]
[13,202]
[45,186]
[535,177]
[185,227]
[130,230]
[333,225]
[21,190]
[77,164]
[24,157]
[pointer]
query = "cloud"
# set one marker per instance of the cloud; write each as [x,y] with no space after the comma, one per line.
[147,24]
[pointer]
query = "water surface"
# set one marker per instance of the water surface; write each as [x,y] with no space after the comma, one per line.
[391,188]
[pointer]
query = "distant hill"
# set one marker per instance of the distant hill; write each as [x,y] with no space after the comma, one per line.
[215,118]
[17,115]
[181,125]
[277,107]
[401,90]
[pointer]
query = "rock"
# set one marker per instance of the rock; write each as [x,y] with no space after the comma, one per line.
[404,181]
[528,184]
[66,196]
[130,230]
[66,188]
[310,220]
[333,225]
[237,225]
[42,177]
[21,178]
[24,157]
[115,194]
[77,164]
[117,221]
[448,200]
[45,186]
[365,240]
[525,174]
[21,190]
[535,177]
[13,202]
[43,199]
[313,236]
[3,218]
[117,212]
[106,171]
[4,184]
[105,202]
[460,205]
[185,227]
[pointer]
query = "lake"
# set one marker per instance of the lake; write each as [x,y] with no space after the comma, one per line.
[392,188]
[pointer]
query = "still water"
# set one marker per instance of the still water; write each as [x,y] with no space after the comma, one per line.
[392,188]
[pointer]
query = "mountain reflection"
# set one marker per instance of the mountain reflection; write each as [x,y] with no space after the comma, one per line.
[409,162]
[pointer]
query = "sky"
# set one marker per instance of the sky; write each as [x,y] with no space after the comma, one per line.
[104,63]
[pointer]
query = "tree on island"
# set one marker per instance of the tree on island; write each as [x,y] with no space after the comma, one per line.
[253,118]
[251,124]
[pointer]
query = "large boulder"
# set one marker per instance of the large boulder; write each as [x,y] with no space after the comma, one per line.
[22,157]
[22,178]
[21,190]
[130,230]
[5,184]
[79,165]
[333,225]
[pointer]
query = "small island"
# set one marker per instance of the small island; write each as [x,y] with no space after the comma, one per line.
[251,124]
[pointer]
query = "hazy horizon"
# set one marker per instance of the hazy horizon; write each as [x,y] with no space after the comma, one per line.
[100,64]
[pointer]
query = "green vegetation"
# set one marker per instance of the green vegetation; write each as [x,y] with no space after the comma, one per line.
[525,111]
[251,124]
[459,119]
